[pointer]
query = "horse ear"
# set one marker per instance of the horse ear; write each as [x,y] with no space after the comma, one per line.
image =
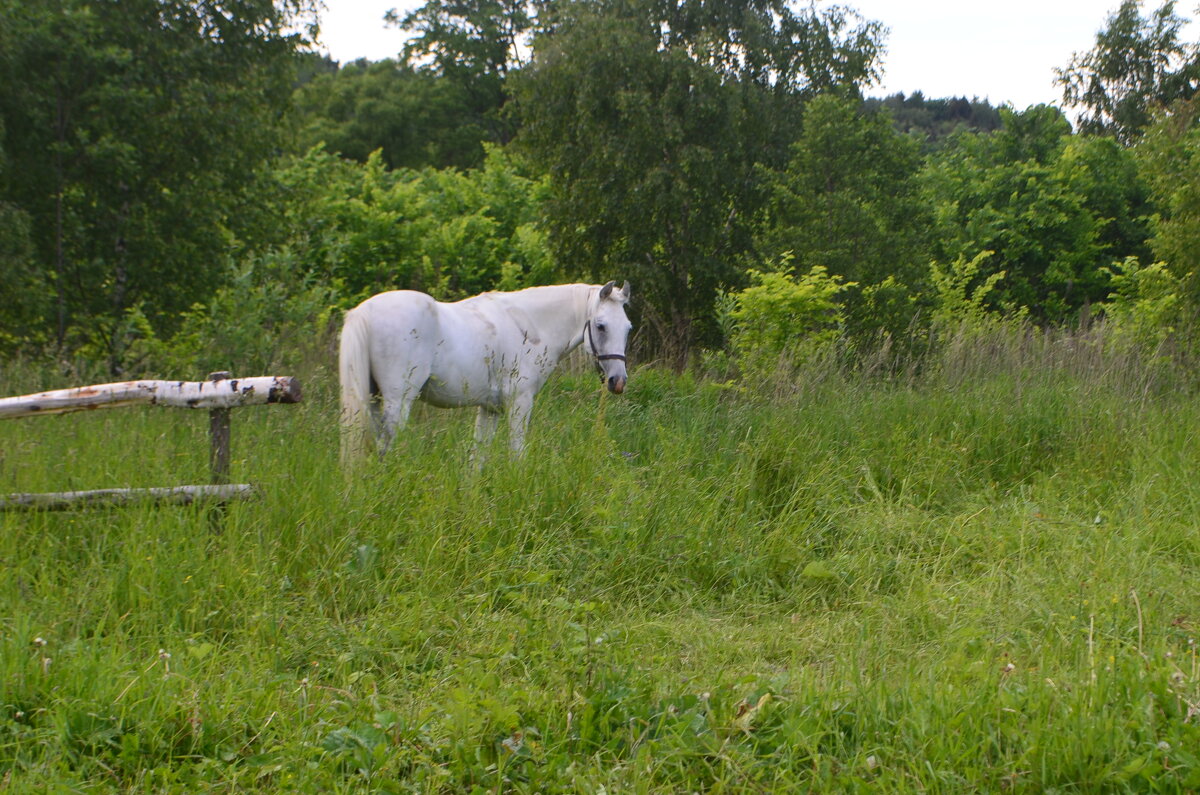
[606,289]
[625,290]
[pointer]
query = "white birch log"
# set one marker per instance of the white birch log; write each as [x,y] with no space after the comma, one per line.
[228,393]
[112,498]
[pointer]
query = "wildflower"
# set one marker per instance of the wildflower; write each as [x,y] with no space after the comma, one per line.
[1164,746]
[39,641]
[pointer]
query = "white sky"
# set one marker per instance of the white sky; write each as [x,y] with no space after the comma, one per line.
[1005,52]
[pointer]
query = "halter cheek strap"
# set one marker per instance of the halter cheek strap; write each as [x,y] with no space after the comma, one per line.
[600,357]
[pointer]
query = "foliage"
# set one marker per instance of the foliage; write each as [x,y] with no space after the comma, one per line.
[365,229]
[472,45]
[437,105]
[469,40]
[962,291]
[414,118]
[346,231]
[781,318]
[848,201]
[1053,209]
[1136,65]
[1113,189]
[1146,302]
[266,318]
[23,291]
[149,171]
[132,131]
[847,198]
[890,313]
[650,119]
[1169,161]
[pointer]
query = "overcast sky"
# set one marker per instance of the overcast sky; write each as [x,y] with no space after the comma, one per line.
[1005,52]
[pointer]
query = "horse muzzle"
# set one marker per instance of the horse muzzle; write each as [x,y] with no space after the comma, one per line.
[616,384]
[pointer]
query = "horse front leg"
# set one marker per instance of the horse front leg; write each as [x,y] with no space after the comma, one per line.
[519,410]
[485,428]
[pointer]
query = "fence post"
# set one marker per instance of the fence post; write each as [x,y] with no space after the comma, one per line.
[218,431]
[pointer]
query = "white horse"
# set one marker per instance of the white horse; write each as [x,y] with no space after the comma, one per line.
[494,351]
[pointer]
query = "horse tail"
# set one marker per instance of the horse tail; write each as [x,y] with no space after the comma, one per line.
[354,373]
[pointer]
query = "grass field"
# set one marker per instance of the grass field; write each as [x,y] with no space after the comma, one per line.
[984,579]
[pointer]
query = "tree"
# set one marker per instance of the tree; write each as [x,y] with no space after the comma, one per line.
[650,116]
[133,131]
[1138,63]
[848,200]
[416,118]
[1169,160]
[22,288]
[1054,209]
[472,44]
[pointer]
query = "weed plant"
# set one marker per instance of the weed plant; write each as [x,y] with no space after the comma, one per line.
[979,578]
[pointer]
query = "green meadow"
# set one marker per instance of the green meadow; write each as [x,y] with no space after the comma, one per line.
[978,577]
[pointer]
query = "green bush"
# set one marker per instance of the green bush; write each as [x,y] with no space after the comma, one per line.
[960,294]
[266,317]
[1145,303]
[449,233]
[782,317]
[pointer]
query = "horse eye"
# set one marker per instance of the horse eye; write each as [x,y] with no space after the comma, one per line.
[600,327]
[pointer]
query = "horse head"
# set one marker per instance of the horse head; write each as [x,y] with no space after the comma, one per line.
[607,331]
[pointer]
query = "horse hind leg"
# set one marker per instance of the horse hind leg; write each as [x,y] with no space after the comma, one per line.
[393,417]
[397,391]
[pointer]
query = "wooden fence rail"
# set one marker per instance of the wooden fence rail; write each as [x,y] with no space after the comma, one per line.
[218,394]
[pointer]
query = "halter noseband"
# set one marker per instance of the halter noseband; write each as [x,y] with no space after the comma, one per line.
[600,357]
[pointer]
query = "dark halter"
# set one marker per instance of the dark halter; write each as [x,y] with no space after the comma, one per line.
[600,357]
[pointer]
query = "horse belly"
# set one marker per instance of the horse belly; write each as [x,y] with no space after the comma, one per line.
[455,387]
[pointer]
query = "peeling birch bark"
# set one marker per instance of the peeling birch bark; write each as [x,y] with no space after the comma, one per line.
[228,393]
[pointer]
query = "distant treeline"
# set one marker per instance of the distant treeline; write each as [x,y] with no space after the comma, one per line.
[936,119]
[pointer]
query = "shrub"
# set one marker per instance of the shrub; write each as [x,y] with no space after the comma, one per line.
[959,294]
[1145,303]
[264,318]
[783,317]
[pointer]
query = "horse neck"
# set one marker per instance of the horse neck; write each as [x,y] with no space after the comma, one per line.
[560,311]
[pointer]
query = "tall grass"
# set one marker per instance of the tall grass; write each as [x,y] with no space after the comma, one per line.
[978,578]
